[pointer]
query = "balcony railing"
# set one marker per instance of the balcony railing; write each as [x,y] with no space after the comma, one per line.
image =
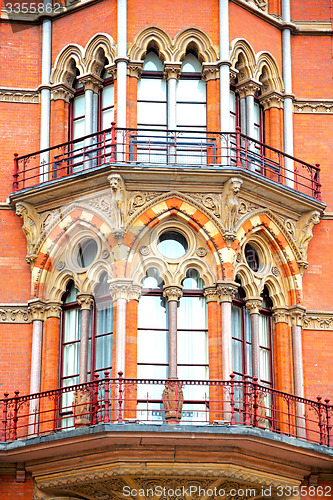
[183,402]
[173,148]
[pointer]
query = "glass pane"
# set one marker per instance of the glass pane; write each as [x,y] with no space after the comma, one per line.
[71,361]
[191,91]
[71,297]
[152,312]
[237,357]
[79,106]
[191,64]
[265,368]
[256,113]
[104,352]
[236,322]
[152,346]
[152,113]
[78,130]
[104,318]
[248,360]
[107,118]
[108,96]
[152,89]
[72,325]
[152,62]
[193,115]
[232,101]
[248,331]
[192,313]
[192,348]
[264,331]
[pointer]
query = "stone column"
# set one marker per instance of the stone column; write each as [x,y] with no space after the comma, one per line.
[173,293]
[85,301]
[120,293]
[215,393]
[50,361]
[226,291]
[121,62]
[288,97]
[297,314]
[172,74]
[254,306]
[37,311]
[224,65]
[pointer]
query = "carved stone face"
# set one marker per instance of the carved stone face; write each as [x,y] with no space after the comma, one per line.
[114,182]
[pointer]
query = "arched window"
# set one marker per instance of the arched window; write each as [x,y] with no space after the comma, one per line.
[77,112]
[242,338]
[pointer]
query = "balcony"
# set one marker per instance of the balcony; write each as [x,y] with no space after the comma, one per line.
[154,148]
[215,406]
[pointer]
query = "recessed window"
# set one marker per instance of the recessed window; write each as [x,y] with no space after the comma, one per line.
[252,258]
[172,244]
[86,252]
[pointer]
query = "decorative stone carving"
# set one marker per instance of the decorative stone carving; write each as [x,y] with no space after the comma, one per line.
[53,309]
[118,201]
[85,300]
[211,293]
[275,271]
[144,250]
[81,407]
[304,227]
[261,4]
[313,106]
[247,88]
[134,292]
[134,68]
[105,254]
[31,228]
[137,199]
[201,252]
[254,305]
[230,205]
[272,100]
[173,399]
[112,70]
[61,92]
[280,315]
[172,292]
[120,288]
[171,70]
[60,265]
[210,71]
[297,314]
[14,313]
[227,290]
[316,320]
[37,309]
[210,201]
[19,95]
[91,82]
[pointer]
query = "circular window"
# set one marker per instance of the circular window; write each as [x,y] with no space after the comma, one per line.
[86,252]
[172,244]
[252,258]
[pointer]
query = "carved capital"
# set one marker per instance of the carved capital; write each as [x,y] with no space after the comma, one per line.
[61,92]
[134,69]
[233,74]
[112,70]
[37,309]
[271,99]
[171,70]
[53,309]
[211,293]
[227,290]
[210,71]
[91,82]
[304,227]
[120,288]
[281,315]
[247,88]
[297,315]
[85,300]
[172,292]
[135,292]
[254,305]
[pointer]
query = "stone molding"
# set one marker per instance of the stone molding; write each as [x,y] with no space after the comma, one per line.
[318,320]
[281,315]
[19,95]
[297,315]
[247,88]
[135,292]
[15,313]
[310,106]
[172,292]
[53,309]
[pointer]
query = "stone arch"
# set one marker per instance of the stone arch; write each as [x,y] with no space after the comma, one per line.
[99,47]
[193,37]
[145,38]
[67,62]
[149,262]
[247,281]
[268,73]
[242,57]
[201,266]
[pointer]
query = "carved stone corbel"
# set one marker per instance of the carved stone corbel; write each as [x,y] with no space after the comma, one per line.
[31,228]
[304,227]
[230,206]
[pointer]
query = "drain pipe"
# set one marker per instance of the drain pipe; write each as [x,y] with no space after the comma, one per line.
[288,101]
[45,93]
[224,64]
[121,61]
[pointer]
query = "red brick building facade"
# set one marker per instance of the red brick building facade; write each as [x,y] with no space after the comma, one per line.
[166,309]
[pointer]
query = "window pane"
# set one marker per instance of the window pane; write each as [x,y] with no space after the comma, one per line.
[191,64]
[192,313]
[152,113]
[237,357]
[192,348]
[72,325]
[104,352]
[232,101]
[79,106]
[193,115]
[71,360]
[152,89]
[152,346]
[108,96]
[78,129]
[248,331]
[152,312]
[152,62]
[236,322]
[191,91]
[265,368]
[264,331]
[107,118]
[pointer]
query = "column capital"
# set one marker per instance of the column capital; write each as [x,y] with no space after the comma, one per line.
[271,99]
[112,70]
[36,308]
[227,290]
[281,315]
[61,92]
[211,293]
[120,288]
[85,300]
[91,82]
[297,314]
[134,68]
[253,305]
[135,292]
[171,70]
[247,88]
[172,292]
[210,71]
[53,309]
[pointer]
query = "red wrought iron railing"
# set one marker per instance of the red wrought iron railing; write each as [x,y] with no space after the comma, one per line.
[186,402]
[158,147]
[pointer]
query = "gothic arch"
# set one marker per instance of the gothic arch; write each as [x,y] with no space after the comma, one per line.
[68,60]
[268,73]
[147,36]
[198,38]
[99,46]
[242,57]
